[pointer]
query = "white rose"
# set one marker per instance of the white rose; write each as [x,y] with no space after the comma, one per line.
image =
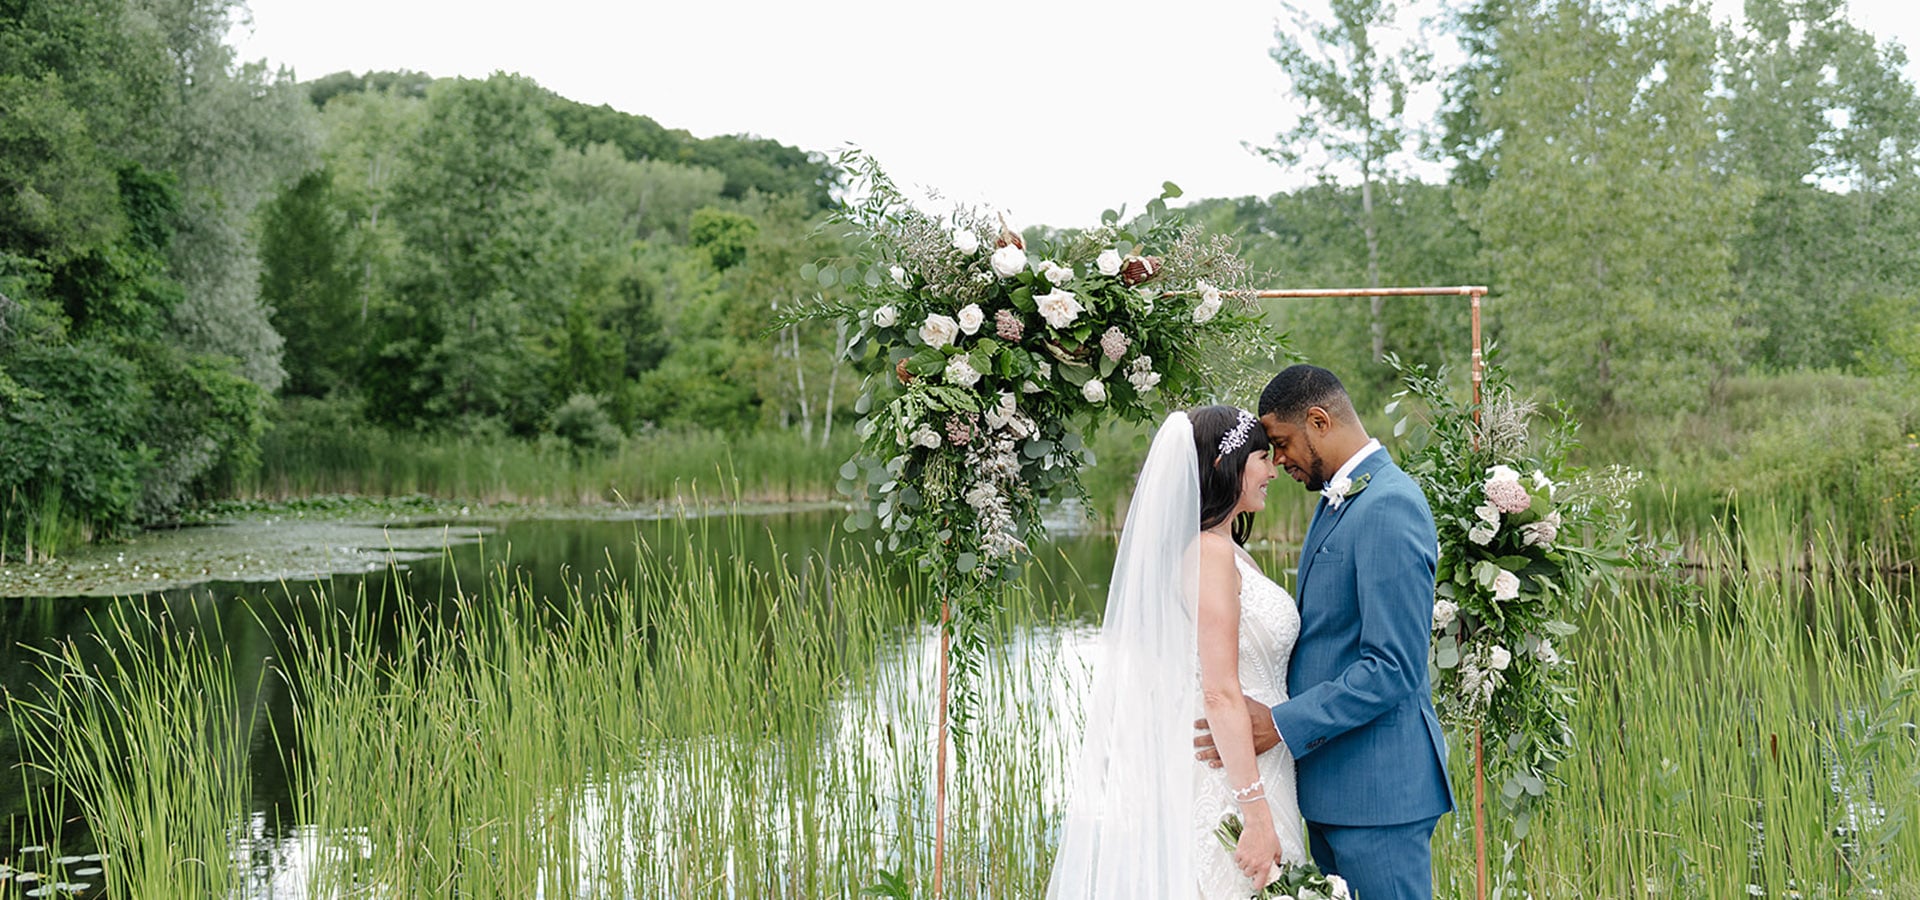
[899,275]
[925,436]
[1001,414]
[1502,473]
[885,316]
[1058,307]
[1444,612]
[971,317]
[960,371]
[939,330]
[1481,534]
[1204,313]
[965,241]
[1339,887]
[1094,391]
[1499,658]
[1487,513]
[1506,585]
[1056,273]
[1008,261]
[1108,263]
[1143,380]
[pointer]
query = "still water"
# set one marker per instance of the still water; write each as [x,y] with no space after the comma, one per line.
[270,571]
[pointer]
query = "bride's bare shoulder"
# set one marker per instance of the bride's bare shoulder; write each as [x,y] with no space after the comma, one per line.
[1216,553]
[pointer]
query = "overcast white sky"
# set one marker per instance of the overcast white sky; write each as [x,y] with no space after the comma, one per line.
[1049,109]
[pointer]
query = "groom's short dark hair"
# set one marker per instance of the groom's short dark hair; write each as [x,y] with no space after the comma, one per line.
[1298,388]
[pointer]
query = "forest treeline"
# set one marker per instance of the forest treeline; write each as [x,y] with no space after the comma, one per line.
[196,249]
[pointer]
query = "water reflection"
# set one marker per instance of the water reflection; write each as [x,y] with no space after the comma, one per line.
[274,852]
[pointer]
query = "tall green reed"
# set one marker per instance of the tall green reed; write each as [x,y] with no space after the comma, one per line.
[146,732]
[700,726]
[355,458]
[1756,739]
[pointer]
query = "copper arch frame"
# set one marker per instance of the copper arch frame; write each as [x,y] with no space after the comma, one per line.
[1475,294]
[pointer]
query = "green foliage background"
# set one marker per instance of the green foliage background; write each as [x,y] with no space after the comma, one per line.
[1676,217]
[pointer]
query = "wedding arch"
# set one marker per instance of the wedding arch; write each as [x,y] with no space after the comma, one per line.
[985,363]
[1475,296]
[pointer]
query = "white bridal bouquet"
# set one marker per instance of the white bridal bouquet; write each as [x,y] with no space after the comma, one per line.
[1296,881]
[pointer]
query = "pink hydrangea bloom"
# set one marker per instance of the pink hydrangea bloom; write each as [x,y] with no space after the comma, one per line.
[1507,496]
[1008,325]
[1114,344]
[960,430]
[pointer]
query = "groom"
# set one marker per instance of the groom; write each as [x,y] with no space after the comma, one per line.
[1360,722]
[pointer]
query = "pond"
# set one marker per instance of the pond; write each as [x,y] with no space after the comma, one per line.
[260,576]
[741,705]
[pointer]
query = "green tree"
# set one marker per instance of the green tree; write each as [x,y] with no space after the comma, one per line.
[307,279]
[1356,98]
[724,236]
[1305,238]
[1607,215]
[234,135]
[1823,120]
[459,340]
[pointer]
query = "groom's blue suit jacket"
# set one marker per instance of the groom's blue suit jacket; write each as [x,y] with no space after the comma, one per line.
[1360,721]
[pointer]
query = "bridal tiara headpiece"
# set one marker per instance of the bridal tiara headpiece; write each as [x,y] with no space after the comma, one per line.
[1236,437]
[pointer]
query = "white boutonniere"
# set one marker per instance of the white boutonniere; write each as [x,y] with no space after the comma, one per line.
[1341,487]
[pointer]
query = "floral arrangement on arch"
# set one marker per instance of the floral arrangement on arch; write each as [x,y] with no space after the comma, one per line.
[1525,539]
[987,356]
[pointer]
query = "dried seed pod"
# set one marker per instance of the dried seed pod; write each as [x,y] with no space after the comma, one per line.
[1008,236]
[1137,270]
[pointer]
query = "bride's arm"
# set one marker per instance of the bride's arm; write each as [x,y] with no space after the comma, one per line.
[1219,642]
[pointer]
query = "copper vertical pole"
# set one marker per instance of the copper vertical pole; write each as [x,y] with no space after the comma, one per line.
[940,765]
[1479,728]
[1479,363]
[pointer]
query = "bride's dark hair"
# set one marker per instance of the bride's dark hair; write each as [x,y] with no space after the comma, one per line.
[1220,473]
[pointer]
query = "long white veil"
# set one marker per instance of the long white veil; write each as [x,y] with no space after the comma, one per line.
[1127,832]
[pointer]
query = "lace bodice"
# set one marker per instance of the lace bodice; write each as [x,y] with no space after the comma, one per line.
[1269,625]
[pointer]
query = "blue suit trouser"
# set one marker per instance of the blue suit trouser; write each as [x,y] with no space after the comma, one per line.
[1379,862]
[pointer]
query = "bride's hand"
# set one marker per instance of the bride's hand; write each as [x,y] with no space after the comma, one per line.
[1259,847]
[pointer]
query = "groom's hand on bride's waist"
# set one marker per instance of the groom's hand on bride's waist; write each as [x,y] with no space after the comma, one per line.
[1265,736]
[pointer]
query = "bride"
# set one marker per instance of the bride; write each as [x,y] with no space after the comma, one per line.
[1191,623]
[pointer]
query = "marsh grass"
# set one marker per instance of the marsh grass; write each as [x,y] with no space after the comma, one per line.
[144,732]
[699,726]
[1757,739]
[312,458]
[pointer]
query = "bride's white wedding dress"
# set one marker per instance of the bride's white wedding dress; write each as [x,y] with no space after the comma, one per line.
[1269,625]
[1141,813]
